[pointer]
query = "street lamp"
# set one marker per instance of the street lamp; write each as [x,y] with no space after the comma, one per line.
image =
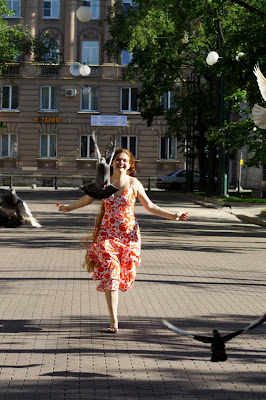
[212,59]
[84,13]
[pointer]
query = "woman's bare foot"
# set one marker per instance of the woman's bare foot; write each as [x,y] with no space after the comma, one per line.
[112,330]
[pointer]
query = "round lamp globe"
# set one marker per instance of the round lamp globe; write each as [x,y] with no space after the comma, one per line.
[84,14]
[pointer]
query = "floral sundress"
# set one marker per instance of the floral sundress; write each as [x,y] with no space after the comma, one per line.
[117,251]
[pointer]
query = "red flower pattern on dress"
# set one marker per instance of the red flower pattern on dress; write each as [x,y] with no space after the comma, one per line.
[117,250]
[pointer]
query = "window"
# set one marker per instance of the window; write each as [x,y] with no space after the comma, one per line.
[168,147]
[129,143]
[51,8]
[8,145]
[126,5]
[9,98]
[48,146]
[49,98]
[86,147]
[183,174]
[53,55]
[89,99]
[129,99]
[95,7]
[167,100]
[126,57]
[90,52]
[15,8]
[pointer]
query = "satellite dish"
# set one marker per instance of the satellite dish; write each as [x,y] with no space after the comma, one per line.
[75,69]
[85,70]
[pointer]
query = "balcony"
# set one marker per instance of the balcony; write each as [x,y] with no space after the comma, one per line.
[49,70]
[95,72]
[12,69]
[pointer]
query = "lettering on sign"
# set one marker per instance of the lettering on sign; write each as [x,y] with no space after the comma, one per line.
[48,120]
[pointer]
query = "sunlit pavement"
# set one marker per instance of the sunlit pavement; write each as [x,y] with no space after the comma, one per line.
[208,272]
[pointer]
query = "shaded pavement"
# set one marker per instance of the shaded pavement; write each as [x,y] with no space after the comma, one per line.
[205,273]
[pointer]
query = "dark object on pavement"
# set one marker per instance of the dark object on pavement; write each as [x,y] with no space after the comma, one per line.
[15,212]
[217,341]
[102,187]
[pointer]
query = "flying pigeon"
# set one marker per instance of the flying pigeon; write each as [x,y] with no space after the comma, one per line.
[15,212]
[227,205]
[102,188]
[217,341]
[258,112]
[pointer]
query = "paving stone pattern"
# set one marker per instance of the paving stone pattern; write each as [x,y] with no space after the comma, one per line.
[205,273]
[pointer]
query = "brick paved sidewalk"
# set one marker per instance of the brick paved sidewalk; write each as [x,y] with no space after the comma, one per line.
[205,273]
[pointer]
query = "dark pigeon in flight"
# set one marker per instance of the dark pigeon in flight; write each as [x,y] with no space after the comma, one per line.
[102,188]
[15,212]
[217,341]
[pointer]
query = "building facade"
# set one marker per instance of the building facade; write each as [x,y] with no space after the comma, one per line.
[50,110]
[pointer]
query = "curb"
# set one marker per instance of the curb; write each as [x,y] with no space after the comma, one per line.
[226,200]
[252,220]
[246,218]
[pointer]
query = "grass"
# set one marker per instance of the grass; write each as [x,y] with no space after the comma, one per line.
[244,197]
[242,200]
[235,198]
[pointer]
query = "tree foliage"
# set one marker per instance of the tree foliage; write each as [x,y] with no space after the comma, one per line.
[170,40]
[17,41]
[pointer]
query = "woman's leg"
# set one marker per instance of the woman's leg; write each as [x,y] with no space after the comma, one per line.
[112,304]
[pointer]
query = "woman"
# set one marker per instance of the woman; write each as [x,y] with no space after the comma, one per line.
[116,248]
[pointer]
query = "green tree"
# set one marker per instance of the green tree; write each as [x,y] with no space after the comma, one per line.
[170,41]
[15,39]
[17,42]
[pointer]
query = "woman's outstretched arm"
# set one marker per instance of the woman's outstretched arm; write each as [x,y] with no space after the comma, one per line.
[153,208]
[82,202]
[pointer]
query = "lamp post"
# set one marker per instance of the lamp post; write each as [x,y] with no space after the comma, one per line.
[84,13]
[212,59]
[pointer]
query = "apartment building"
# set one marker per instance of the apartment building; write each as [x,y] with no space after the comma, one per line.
[51,110]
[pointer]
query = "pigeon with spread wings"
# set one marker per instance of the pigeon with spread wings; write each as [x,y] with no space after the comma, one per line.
[15,212]
[258,112]
[102,188]
[216,341]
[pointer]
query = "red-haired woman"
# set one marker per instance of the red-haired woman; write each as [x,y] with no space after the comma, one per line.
[115,252]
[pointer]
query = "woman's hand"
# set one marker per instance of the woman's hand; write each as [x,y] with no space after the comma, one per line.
[82,202]
[181,216]
[63,209]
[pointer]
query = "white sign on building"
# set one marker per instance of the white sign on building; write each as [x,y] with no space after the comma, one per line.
[108,120]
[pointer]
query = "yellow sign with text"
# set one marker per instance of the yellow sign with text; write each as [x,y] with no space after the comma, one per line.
[48,120]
